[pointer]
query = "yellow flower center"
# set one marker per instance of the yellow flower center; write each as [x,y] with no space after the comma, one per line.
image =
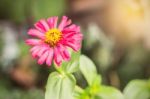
[53,36]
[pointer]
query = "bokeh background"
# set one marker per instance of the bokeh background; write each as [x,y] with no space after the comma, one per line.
[116,38]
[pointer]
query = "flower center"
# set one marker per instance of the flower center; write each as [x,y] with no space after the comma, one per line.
[52,37]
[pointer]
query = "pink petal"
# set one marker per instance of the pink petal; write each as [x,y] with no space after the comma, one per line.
[50,57]
[64,22]
[73,35]
[34,48]
[75,38]
[33,42]
[52,22]
[78,36]
[43,58]
[64,53]
[72,28]
[42,25]
[42,51]
[57,56]
[35,52]
[36,33]
[68,34]
[75,47]
[69,22]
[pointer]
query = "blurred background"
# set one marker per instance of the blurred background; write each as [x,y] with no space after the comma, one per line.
[116,38]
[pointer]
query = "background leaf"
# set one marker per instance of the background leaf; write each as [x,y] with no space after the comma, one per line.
[137,89]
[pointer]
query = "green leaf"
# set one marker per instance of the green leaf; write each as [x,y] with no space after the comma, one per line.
[72,65]
[60,86]
[103,92]
[109,93]
[88,69]
[137,89]
[78,92]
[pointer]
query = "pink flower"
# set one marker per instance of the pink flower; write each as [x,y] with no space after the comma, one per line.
[52,41]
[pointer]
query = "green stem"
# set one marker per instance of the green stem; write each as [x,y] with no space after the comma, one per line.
[59,69]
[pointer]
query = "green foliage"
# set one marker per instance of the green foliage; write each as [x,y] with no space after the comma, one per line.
[73,64]
[88,69]
[9,93]
[95,90]
[23,49]
[60,86]
[107,92]
[137,89]
[47,8]
[21,10]
[13,10]
[19,94]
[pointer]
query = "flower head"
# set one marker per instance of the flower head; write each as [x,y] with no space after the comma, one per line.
[52,41]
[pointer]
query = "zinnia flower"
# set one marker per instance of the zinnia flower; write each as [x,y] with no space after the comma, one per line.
[52,41]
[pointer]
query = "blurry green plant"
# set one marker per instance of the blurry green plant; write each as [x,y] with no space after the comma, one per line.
[62,84]
[19,94]
[21,10]
[47,8]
